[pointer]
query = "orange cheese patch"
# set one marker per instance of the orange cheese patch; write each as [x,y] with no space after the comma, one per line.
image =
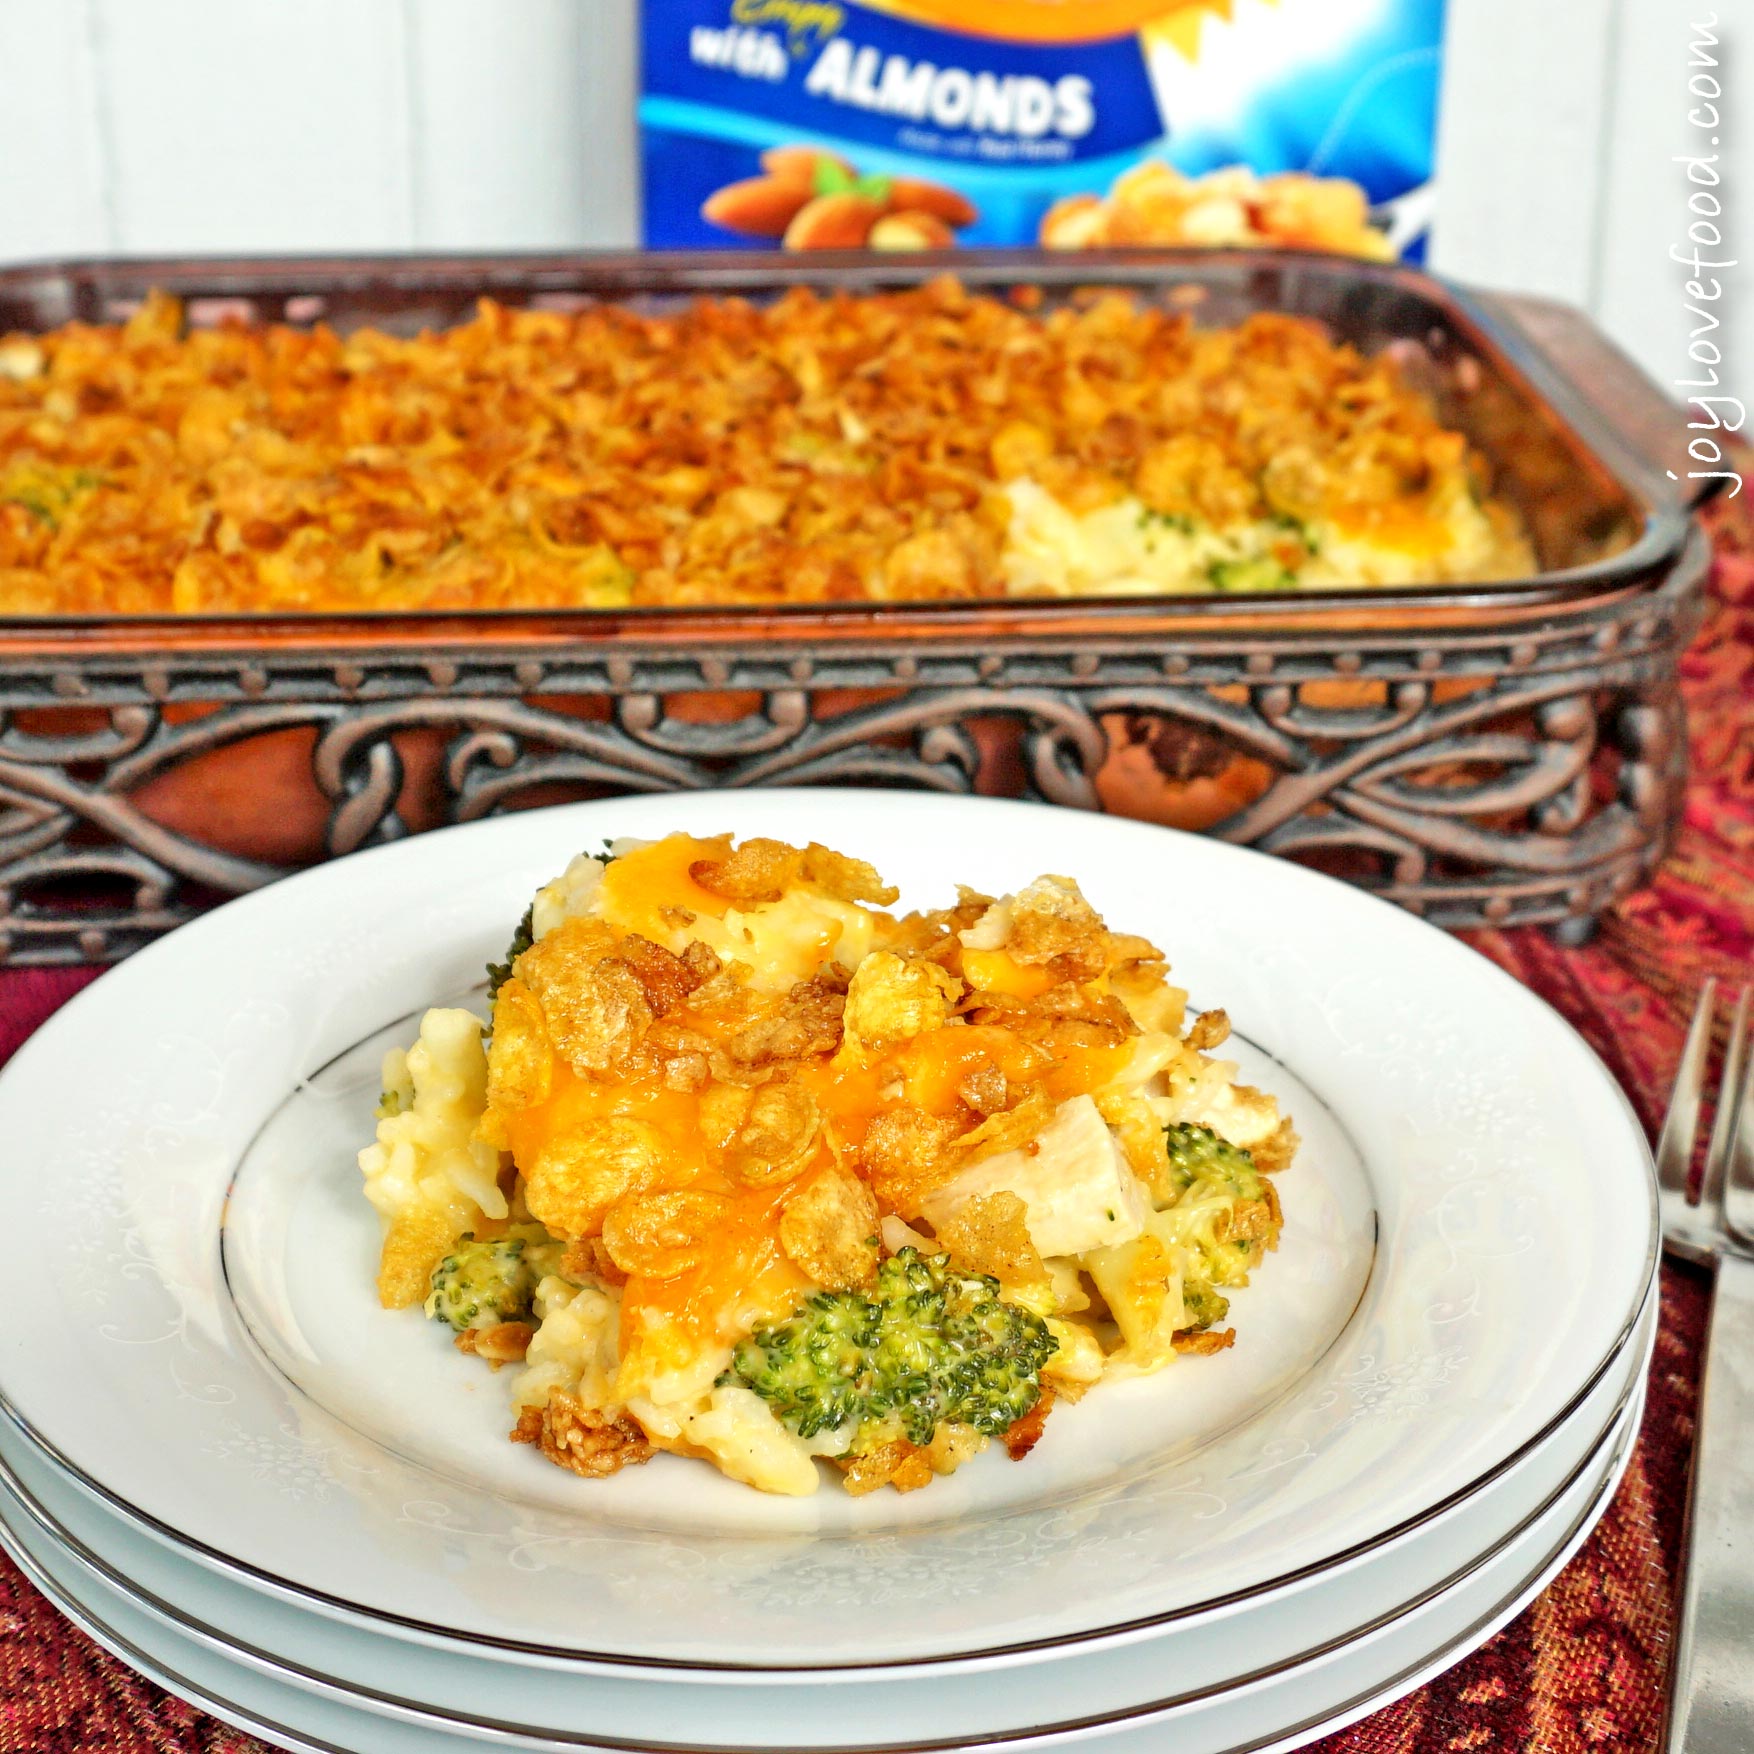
[997,971]
[646,890]
[741,1277]
[937,1066]
[738,1264]
[1410,528]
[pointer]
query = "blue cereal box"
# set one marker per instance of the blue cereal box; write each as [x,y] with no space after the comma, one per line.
[909,124]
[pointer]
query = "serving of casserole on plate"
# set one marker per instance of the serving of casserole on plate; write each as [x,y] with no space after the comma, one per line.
[933,442]
[752,1169]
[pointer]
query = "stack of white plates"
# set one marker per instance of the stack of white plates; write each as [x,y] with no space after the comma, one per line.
[300,1512]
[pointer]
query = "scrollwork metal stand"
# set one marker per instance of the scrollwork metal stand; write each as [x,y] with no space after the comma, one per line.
[1525,773]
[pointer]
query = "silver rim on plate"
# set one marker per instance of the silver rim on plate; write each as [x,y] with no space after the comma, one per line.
[1451,1651]
[1125,1630]
[16,1494]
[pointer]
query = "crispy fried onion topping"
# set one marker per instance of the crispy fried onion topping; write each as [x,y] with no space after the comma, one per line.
[504,1343]
[812,448]
[892,999]
[1026,1433]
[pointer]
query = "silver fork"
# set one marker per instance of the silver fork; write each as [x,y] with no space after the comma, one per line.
[1711,1681]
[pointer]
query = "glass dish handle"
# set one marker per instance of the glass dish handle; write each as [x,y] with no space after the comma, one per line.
[1650,424]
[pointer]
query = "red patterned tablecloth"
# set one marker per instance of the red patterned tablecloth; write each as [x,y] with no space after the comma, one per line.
[1581,1670]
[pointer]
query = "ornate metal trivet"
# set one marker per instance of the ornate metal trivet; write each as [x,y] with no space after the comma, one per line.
[1529,772]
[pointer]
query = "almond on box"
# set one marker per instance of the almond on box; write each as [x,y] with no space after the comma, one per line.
[815,200]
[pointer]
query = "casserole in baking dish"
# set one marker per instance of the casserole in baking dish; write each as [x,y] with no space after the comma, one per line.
[923,443]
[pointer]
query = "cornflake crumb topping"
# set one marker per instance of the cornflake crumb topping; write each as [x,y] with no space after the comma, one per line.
[929,443]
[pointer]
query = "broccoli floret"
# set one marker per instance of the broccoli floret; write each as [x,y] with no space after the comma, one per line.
[1211,1260]
[1305,533]
[929,1345]
[815,1369]
[1205,1306]
[48,494]
[1260,574]
[1199,1155]
[1218,1188]
[480,1284]
[498,973]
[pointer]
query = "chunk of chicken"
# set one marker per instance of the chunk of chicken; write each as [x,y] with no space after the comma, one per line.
[1072,1177]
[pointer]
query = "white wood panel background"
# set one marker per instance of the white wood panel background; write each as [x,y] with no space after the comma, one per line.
[171,126]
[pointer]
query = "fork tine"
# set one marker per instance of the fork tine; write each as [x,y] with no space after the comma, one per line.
[1739,1177]
[1723,1126]
[1681,1123]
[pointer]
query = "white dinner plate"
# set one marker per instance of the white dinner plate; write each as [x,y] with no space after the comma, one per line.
[491,1692]
[1280,1713]
[1509,1181]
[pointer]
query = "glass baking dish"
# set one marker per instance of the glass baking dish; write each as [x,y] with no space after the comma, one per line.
[1480,754]
[1597,511]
